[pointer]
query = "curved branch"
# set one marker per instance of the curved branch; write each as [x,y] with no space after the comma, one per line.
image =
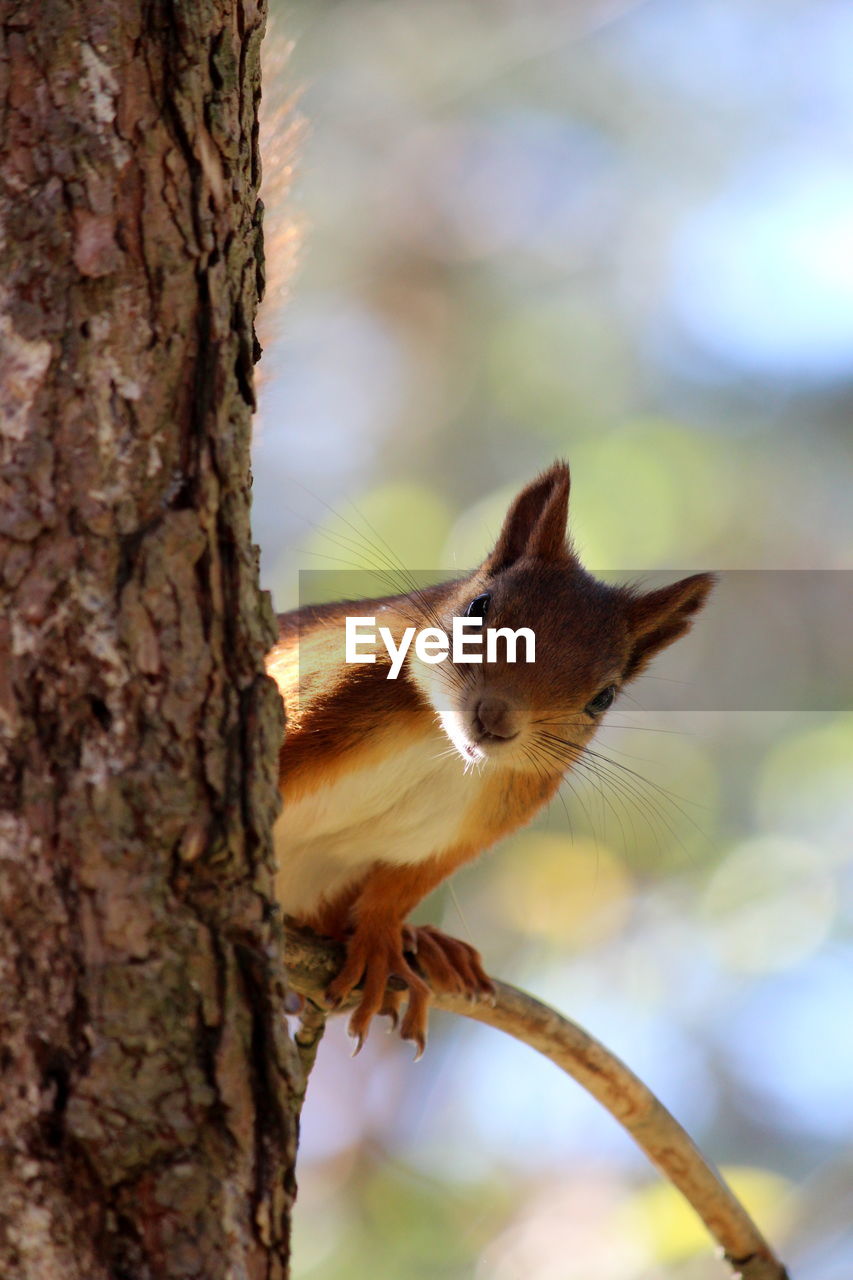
[312,963]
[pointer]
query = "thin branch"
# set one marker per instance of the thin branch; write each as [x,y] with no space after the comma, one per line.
[312,1025]
[312,963]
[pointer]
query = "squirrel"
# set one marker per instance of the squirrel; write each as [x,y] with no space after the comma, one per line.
[389,785]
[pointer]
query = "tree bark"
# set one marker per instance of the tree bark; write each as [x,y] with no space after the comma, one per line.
[146,1077]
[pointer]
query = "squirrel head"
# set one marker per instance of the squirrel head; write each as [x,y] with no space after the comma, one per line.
[591,638]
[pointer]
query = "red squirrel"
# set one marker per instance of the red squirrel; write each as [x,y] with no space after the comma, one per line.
[389,785]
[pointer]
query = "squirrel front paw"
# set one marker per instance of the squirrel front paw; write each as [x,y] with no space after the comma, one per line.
[374,956]
[448,964]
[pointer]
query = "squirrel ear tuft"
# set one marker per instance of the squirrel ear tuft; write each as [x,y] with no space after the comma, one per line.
[535,524]
[659,617]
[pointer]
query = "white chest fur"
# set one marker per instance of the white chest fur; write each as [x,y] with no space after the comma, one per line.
[401,810]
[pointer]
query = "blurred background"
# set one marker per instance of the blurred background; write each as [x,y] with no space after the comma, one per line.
[620,233]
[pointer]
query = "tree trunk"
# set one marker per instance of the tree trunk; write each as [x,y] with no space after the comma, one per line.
[146,1078]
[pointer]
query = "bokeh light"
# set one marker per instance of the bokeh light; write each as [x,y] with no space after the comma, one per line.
[619,233]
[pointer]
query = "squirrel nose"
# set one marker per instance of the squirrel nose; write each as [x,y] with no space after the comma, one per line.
[495,716]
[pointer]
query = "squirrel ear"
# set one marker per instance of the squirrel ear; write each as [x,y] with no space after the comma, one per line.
[535,524]
[659,617]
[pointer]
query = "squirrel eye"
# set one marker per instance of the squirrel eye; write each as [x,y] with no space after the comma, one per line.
[479,606]
[601,701]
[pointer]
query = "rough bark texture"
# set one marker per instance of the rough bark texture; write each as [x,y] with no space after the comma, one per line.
[145,1073]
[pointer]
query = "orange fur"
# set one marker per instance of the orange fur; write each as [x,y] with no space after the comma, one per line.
[390,785]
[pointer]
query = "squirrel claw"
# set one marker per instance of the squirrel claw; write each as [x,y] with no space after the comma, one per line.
[358,1045]
[414,1029]
[391,1008]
